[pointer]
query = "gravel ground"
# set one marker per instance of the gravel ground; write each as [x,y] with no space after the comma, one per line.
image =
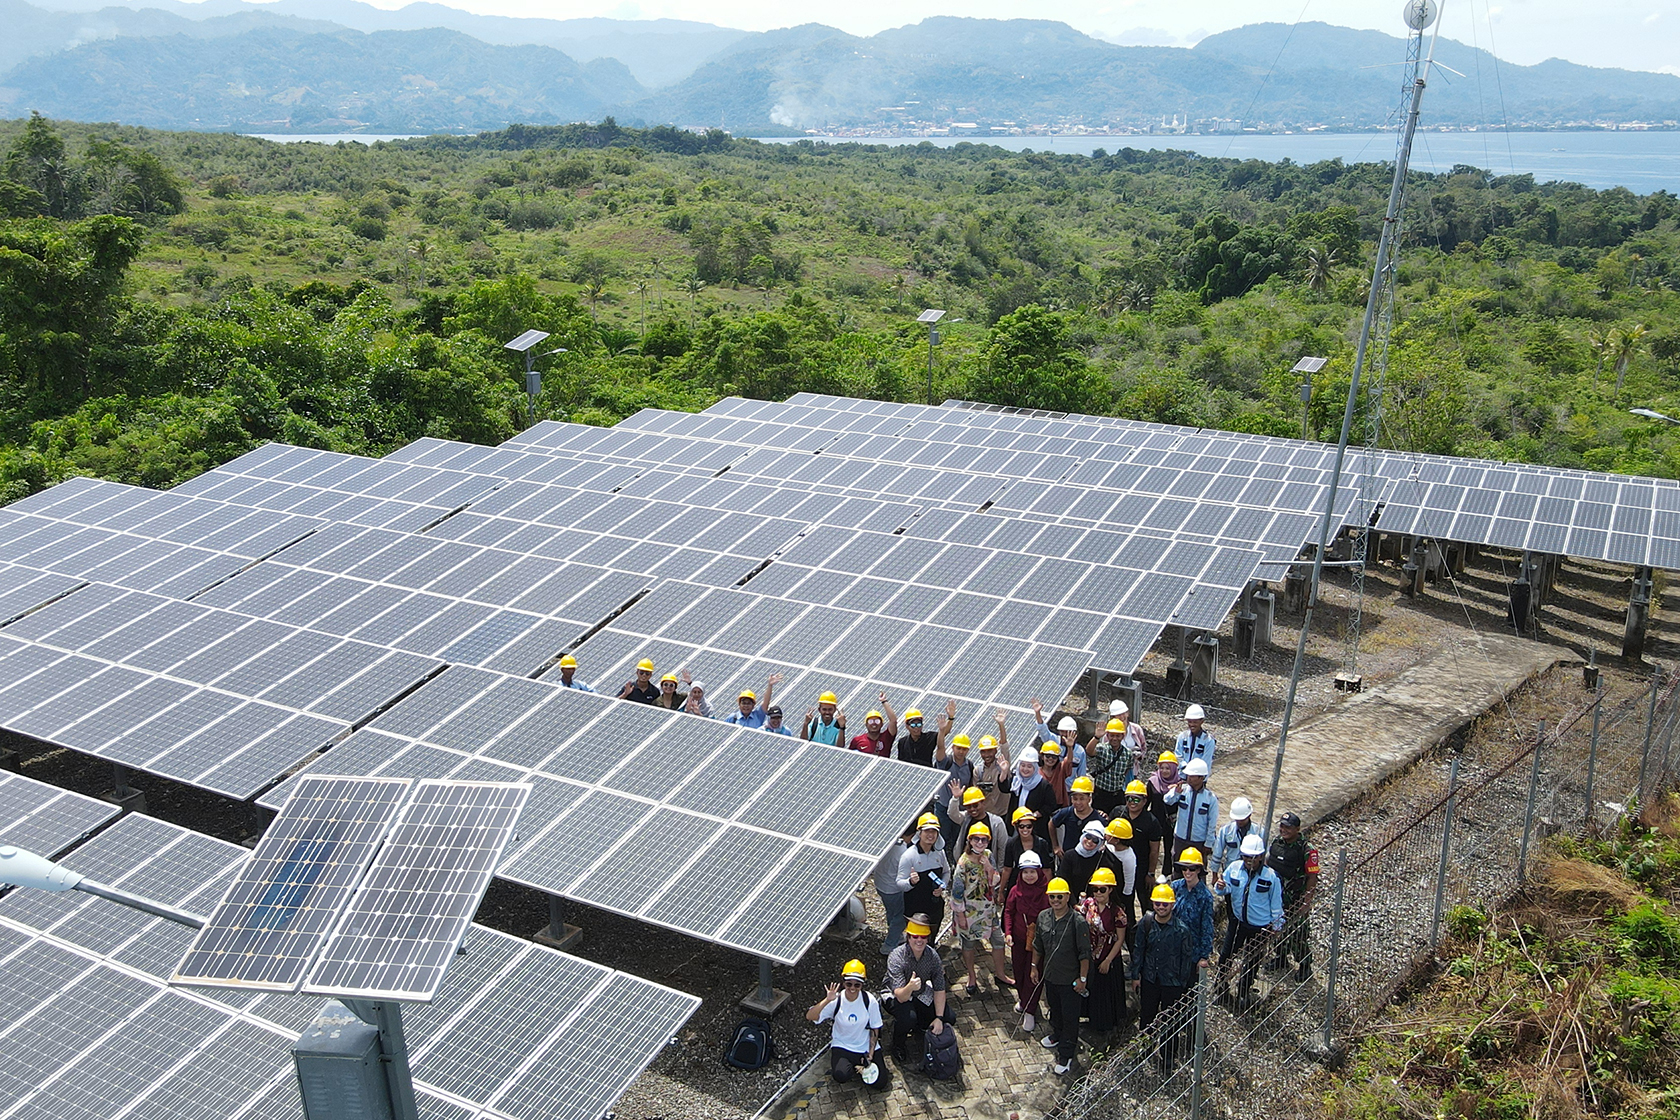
[689,1079]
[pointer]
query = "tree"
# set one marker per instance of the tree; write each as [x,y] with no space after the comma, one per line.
[1321,267]
[1626,344]
[38,161]
[1029,362]
[640,287]
[1599,341]
[692,285]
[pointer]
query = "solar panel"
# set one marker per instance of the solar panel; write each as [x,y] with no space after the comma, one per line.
[276,915]
[406,920]
[46,820]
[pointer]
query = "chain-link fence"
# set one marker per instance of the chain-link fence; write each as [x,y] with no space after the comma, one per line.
[1382,906]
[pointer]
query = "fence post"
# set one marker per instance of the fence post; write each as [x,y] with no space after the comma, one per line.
[1668,737]
[1446,853]
[1335,950]
[1202,987]
[1650,727]
[1528,814]
[1592,759]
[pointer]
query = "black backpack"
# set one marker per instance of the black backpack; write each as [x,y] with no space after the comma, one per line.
[752,1047]
[940,1059]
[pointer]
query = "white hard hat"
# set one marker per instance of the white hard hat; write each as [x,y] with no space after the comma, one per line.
[1195,768]
[1094,828]
[1252,845]
[1068,723]
[1028,755]
[1241,809]
[1029,859]
[1194,711]
[1118,708]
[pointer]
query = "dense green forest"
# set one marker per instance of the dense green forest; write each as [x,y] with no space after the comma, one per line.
[169,300]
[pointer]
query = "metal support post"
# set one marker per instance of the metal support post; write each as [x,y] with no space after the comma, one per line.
[122,795]
[1335,952]
[1592,758]
[1638,616]
[1650,728]
[393,1051]
[558,934]
[1202,987]
[1662,767]
[1528,814]
[1589,674]
[1446,853]
[766,999]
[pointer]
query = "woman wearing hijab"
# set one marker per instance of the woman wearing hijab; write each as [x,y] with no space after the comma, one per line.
[697,704]
[1079,862]
[1028,788]
[1020,912]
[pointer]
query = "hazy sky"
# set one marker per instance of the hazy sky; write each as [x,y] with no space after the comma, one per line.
[1636,34]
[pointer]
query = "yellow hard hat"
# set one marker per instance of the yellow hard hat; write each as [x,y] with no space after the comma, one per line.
[1022,814]
[1058,885]
[980,828]
[828,698]
[874,715]
[1120,828]
[912,715]
[1166,756]
[1104,877]
[672,677]
[1191,858]
[973,795]
[1050,748]
[854,968]
[913,928]
[1118,726]
[644,666]
[1136,787]
[568,662]
[961,741]
[1162,893]
[926,820]
[747,694]
[988,743]
[1084,784]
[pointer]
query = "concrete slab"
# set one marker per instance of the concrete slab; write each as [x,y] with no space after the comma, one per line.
[1334,758]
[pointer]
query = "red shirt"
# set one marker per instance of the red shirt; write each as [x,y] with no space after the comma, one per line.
[869,744]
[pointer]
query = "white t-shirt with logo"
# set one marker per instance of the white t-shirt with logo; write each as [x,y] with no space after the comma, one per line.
[853,1020]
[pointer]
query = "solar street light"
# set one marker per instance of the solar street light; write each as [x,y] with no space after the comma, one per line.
[1653,414]
[931,317]
[1306,367]
[19,868]
[526,344]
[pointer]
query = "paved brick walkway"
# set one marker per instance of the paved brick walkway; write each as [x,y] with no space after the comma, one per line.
[1005,1073]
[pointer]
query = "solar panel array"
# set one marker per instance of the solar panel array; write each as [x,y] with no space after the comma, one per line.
[44,819]
[730,816]
[89,1029]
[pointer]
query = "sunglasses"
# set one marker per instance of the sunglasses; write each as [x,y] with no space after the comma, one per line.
[915,937]
[1099,887]
[914,722]
[851,983]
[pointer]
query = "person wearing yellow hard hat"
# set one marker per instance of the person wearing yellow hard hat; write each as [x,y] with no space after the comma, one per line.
[880,728]
[968,811]
[922,746]
[825,723]
[568,675]
[1106,919]
[1068,822]
[1074,763]
[640,688]
[960,771]
[1162,972]
[856,1014]
[1024,838]
[1061,963]
[1026,899]
[1195,903]
[1117,753]
[752,710]
[992,770]
[923,871]
[915,984]
[1146,827]
[1120,860]
[974,909]
[670,696]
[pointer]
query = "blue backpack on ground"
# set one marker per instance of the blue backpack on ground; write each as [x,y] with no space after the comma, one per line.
[751,1047]
[940,1059]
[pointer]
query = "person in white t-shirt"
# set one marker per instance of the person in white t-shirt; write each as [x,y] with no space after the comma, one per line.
[856,1014]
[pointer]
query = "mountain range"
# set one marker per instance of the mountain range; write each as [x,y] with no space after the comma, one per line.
[342,65]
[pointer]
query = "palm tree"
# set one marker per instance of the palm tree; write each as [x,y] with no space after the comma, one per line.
[595,289]
[1628,343]
[692,285]
[1321,267]
[899,284]
[640,287]
[1600,343]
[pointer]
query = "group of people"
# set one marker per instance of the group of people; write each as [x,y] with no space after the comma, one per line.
[1092,878]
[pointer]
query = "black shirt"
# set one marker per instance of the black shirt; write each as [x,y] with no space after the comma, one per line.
[643,693]
[917,748]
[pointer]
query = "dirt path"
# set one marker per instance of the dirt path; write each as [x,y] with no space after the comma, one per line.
[1334,758]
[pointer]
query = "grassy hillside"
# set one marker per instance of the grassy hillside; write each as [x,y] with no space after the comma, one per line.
[356,297]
